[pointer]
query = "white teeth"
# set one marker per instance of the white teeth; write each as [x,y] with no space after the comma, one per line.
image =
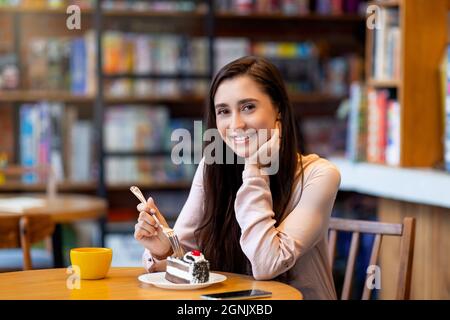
[240,138]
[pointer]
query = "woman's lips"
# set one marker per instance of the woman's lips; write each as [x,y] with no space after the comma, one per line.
[241,140]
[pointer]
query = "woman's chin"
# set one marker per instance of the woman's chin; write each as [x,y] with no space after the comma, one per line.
[243,151]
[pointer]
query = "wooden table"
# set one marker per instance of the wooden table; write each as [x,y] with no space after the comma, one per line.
[122,284]
[64,208]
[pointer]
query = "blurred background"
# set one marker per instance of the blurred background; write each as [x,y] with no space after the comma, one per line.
[370,97]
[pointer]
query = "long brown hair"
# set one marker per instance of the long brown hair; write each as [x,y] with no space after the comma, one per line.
[218,236]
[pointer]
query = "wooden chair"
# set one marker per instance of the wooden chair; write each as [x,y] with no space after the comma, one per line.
[22,232]
[406,231]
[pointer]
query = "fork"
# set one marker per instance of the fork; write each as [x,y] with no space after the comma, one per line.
[169,233]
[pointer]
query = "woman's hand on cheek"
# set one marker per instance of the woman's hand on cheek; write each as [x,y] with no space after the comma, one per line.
[268,152]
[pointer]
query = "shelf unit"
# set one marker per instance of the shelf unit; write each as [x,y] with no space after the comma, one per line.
[206,22]
[423,41]
[415,188]
[100,104]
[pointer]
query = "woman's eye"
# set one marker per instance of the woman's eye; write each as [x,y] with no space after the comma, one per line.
[221,111]
[248,107]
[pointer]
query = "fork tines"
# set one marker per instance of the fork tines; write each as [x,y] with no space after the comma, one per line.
[174,242]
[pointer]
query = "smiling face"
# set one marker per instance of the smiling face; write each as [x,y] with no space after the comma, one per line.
[244,114]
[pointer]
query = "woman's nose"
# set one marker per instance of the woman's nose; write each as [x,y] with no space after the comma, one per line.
[237,122]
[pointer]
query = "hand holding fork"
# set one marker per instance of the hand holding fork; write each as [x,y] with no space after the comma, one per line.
[149,227]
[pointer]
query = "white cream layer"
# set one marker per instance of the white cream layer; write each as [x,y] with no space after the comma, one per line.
[179,273]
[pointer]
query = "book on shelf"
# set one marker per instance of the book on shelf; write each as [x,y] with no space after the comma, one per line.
[46,4]
[143,54]
[135,128]
[386,46]
[78,67]
[62,64]
[373,127]
[132,5]
[9,72]
[82,153]
[28,140]
[356,144]
[376,125]
[131,128]
[383,127]
[146,170]
[51,134]
[158,5]
[290,7]
[69,64]
[172,54]
[229,49]
[192,129]
[393,141]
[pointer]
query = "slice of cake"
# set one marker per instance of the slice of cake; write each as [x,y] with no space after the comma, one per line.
[192,268]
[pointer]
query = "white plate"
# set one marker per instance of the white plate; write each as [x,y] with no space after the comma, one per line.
[157,279]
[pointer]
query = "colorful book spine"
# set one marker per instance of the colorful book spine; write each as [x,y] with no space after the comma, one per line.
[393,135]
[82,134]
[353,119]
[78,66]
[372,126]
[382,105]
[27,141]
[386,51]
[44,135]
[377,125]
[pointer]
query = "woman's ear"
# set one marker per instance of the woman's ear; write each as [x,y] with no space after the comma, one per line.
[278,126]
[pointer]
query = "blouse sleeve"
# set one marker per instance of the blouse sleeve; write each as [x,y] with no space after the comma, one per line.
[274,250]
[187,222]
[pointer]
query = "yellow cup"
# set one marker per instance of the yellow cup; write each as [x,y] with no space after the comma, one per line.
[94,263]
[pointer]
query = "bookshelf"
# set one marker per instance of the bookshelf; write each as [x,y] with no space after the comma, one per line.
[336,35]
[421,35]
[202,21]
[415,184]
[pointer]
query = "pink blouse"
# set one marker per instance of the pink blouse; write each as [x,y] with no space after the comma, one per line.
[298,244]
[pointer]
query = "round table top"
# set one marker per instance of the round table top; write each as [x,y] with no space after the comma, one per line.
[64,208]
[122,284]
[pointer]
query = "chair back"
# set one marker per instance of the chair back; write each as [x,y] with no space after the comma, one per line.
[23,231]
[405,230]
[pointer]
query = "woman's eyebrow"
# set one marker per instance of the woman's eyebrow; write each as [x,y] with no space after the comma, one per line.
[247,100]
[242,101]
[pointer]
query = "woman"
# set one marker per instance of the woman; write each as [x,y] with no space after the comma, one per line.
[243,220]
